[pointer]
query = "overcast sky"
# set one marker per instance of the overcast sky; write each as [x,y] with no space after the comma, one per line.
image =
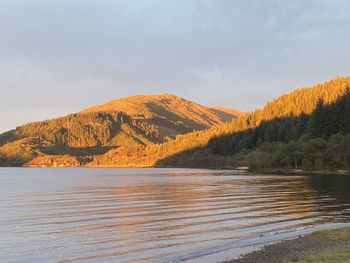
[59,56]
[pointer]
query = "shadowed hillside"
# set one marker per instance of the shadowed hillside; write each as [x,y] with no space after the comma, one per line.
[279,135]
[225,113]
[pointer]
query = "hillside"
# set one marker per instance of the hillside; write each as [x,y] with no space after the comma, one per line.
[135,121]
[172,115]
[135,131]
[225,113]
[281,120]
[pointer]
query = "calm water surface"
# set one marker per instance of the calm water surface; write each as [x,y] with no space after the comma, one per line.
[154,215]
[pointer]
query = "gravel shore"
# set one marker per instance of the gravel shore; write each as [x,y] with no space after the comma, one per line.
[296,249]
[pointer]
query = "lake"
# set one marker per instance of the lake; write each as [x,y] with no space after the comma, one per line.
[156,215]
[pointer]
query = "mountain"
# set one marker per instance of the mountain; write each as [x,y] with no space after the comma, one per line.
[172,115]
[165,130]
[282,119]
[135,121]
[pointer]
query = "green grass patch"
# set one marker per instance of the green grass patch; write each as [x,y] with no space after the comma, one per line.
[339,256]
[339,234]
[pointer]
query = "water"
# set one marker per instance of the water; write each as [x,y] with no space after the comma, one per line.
[154,215]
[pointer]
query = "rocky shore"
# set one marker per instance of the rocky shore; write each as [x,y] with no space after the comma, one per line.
[324,246]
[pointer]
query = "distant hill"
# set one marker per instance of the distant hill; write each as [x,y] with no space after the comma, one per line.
[172,115]
[134,121]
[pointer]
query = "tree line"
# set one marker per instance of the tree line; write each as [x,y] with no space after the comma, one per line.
[324,142]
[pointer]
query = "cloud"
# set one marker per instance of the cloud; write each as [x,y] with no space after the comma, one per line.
[66,55]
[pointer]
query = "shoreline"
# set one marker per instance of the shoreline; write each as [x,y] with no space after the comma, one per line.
[253,171]
[299,172]
[275,171]
[279,247]
[329,245]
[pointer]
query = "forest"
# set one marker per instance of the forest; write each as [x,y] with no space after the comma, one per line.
[318,141]
[306,129]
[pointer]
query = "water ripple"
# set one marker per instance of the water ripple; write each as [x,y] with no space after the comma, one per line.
[135,215]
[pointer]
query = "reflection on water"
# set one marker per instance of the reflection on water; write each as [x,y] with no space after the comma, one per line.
[153,215]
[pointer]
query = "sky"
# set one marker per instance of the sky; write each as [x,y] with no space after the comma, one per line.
[58,57]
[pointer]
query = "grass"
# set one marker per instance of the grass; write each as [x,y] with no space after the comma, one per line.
[342,256]
[335,256]
[339,234]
